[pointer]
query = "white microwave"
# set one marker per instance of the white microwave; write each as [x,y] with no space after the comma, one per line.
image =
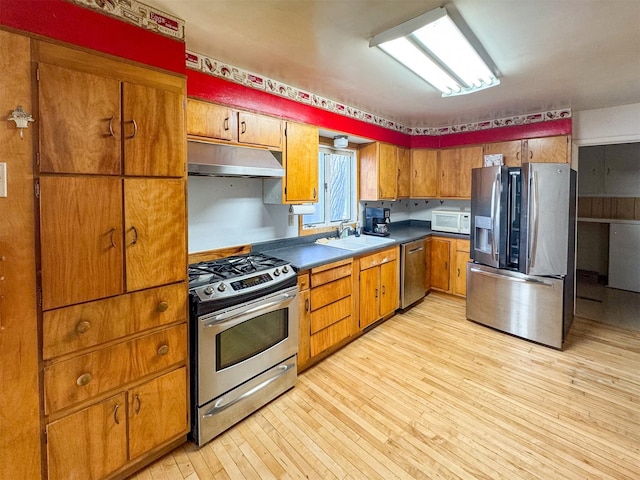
[451,221]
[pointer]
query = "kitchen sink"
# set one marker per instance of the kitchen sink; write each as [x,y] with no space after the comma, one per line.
[363,242]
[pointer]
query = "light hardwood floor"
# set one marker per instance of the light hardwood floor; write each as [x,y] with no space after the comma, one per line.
[430,395]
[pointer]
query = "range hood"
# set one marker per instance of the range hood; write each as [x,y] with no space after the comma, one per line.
[232,161]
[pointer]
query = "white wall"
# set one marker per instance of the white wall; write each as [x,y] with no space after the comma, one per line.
[607,125]
[225,212]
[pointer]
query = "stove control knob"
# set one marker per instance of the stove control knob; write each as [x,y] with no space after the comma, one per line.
[208,290]
[276,272]
[285,269]
[222,287]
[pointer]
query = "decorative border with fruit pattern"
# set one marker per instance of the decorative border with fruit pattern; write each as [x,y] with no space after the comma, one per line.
[139,14]
[197,61]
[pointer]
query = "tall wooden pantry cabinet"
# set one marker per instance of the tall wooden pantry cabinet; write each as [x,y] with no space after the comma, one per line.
[111,191]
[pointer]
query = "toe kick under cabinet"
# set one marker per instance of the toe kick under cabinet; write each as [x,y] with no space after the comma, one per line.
[113,293]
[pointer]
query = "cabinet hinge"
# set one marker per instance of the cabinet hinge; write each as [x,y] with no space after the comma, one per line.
[39,300]
[37,189]
[46,436]
[37,159]
[38,74]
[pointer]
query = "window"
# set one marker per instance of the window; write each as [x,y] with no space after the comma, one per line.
[337,193]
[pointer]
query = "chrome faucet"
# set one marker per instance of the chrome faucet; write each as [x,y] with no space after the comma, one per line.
[345,230]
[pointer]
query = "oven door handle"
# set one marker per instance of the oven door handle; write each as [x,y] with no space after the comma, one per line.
[241,313]
[222,405]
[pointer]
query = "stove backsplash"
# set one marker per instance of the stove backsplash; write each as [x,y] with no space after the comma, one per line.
[224,212]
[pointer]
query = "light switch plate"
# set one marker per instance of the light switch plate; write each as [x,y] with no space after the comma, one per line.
[3,179]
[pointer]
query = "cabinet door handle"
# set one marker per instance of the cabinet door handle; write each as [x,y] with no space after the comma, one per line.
[83,326]
[244,127]
[163,350]
[517,155]
[306,305]
[115,414]
[530,154]
[83,379]
[458,272]
[135,128]
[415,174]
[162,307]
[135,235]
[111,132]
[315,192]
[608,171]
[138,404]
[225,125]
[112,233]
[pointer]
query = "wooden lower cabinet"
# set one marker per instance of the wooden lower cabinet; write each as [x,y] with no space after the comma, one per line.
[427,257]
[326,310]
[92,443]
[89,444]
[459,272]
[449,257]
[440,263]
[378,293]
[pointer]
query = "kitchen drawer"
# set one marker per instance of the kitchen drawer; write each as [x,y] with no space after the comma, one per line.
[335,271]
[80,326]
[462,245]
[330,336]
[330,314]
[330,292]
[89,375]
[303,281]
[379,258]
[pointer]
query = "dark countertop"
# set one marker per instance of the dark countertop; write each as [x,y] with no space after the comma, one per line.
[303,253]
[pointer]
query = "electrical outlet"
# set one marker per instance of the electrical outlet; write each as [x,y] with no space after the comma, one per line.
[3,179]
[291,219]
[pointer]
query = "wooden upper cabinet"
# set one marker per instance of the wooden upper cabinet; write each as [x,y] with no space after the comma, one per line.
[81,239]
[210,120]
[79,121]
[378,171]
[455,170]
[548,149]
[301,165]
[154,212]
[83,127]
[404,172]
[256,129]
[220,123]
[424,173]
[511,152]
[153,131]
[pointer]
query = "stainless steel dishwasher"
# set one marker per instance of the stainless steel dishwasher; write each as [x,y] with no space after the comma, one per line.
[412,272]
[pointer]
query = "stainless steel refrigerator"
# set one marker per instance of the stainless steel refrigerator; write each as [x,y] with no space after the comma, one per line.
[521,278]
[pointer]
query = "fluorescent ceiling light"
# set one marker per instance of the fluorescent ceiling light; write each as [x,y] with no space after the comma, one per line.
[434,48]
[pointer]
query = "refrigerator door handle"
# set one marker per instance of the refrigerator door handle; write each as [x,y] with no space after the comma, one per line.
[495,216]
[533,209]
[515,279]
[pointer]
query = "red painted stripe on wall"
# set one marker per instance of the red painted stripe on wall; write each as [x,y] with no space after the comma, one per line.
[67,22]
[503,134]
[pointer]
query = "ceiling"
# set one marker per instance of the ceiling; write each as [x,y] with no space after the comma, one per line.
[550,54]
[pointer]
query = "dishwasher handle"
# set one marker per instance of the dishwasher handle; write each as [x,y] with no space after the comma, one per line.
[415,250]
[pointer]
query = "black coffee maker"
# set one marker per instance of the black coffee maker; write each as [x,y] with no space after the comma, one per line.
[376,221]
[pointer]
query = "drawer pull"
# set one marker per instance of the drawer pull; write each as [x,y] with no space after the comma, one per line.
[115,414]
[162,307]
[83,326]
[163,350]
[83,379]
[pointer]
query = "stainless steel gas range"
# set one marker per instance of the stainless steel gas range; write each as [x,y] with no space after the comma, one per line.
[244,338]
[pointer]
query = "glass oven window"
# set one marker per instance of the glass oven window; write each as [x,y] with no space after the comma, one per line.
[251,338]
